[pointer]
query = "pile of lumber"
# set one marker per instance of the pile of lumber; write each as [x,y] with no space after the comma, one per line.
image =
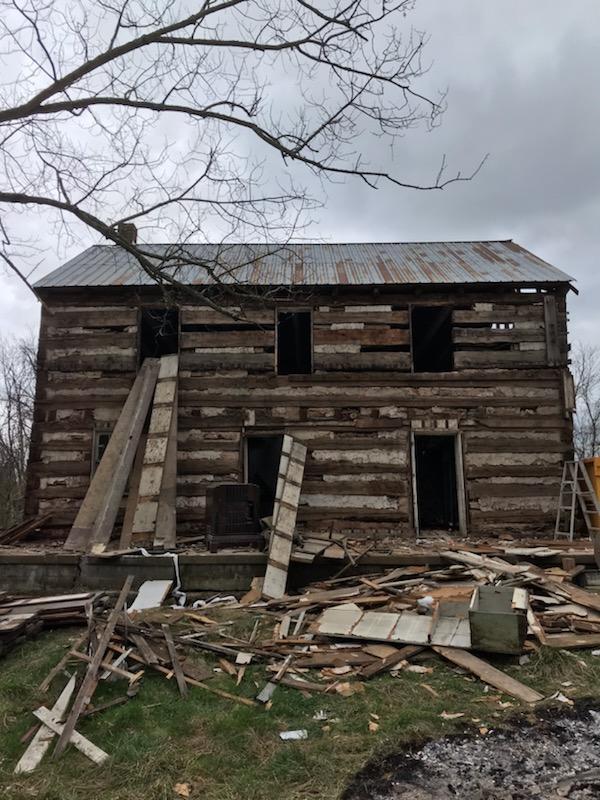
[329,638]
[24,617]
[23,529]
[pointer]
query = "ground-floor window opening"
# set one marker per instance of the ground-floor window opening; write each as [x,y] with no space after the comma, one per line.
[263,454]
[436,482]
[159,332]
[99,444]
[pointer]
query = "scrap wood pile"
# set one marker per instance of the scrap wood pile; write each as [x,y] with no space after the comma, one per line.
[331,638]
[24,617]
[21,530]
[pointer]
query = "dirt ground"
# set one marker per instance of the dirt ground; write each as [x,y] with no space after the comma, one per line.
[558,757]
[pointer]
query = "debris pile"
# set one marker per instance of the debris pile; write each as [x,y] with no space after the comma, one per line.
[24,617]
[330,638]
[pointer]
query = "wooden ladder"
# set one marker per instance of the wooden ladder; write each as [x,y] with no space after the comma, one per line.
[575,489]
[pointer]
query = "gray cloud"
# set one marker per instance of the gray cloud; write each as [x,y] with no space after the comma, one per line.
[523,86]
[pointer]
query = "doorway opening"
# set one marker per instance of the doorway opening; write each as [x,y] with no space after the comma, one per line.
[159,332]
[263,454]
[437,482]
[431,329]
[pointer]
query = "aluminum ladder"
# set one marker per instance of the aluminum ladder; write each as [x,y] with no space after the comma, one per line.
[575,489]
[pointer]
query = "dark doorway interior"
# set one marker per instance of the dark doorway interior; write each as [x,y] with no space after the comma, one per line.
[263,455]
[437,496]
[159,332]
[431,328]
[294,344]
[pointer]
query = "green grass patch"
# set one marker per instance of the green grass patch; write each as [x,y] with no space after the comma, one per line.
[226,751]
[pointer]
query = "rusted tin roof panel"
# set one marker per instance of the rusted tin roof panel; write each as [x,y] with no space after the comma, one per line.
[313,264]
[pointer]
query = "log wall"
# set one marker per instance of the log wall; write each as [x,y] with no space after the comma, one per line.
[508,398]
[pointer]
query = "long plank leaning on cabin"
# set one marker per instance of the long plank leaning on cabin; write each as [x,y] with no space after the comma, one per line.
[119,452]
[158,461]
[105,522]
[134,492]
[289,483]
[166,516]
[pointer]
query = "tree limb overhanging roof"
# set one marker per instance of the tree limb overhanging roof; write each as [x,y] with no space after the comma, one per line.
[387,263]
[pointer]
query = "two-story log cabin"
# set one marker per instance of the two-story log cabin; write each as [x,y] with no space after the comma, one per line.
[429,380]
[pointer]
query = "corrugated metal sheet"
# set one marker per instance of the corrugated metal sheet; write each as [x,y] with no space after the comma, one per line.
[313,264]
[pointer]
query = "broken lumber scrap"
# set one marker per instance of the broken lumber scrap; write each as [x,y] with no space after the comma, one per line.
[174,658]
[287,496]
[267,691]
[58,668]
[90,680]
[145,650]
[40,743]
[488,674]
[23,529]
[114,669]
[94,515]
[151,594]
[159,464]
[390,661]
[192,681]
[132,495]
[84,745]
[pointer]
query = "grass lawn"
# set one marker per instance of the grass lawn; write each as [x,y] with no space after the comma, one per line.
[226,751]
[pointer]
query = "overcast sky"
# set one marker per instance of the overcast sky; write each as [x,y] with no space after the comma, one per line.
[523,78]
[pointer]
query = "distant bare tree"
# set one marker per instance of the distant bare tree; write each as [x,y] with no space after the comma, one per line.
[586,375]
[17,391]
[199,121]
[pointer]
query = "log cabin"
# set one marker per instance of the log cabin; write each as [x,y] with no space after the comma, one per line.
[429,381]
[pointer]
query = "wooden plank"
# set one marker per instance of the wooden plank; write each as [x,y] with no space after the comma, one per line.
[110,667]
[215,338]
[488,674]
[366,317]
[362,336]
[199,315]
[192,682]
[41,741]
[92,318]
[151,594]
[133,494]
[58,668]
[88,685]
[105,521]
[166,515]
[89,510]
[389,661]
[287,495]
[362,361]
[493,336]
[179,676]
[84,745]
[553,354]
[489,359]
[155,465]
[20,531]
[146,651]
[497,312]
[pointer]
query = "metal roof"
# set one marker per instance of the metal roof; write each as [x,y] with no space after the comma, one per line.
[312,264]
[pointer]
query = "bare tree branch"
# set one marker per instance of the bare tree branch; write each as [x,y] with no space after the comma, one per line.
[201,122]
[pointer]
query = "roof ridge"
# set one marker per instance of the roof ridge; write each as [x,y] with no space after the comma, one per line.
[328,244]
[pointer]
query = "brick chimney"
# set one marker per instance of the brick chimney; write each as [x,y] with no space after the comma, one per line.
[127,231]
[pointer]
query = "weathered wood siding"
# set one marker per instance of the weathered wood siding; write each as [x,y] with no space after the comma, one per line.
[506,396]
